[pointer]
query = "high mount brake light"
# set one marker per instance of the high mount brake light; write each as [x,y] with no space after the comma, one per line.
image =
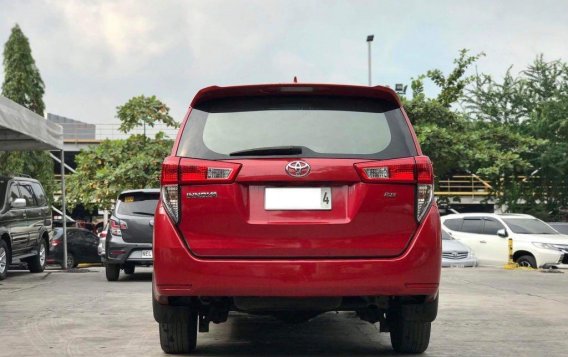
[176,171]
[416,170]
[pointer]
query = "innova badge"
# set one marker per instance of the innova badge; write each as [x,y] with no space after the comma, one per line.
[298,168]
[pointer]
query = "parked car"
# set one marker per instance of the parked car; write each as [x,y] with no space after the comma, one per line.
[561,227]
[535,243]
[293,200]
[81,247]
[25,224]
[102,240]
[455,253]
[128,242]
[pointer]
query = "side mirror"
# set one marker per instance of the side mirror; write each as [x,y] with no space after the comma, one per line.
[502,233]
[18,203]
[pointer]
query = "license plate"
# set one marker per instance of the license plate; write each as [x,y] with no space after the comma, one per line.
[297,198]
[457,266]
[146,254]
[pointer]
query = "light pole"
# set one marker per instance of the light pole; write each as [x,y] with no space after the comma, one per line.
[369,40]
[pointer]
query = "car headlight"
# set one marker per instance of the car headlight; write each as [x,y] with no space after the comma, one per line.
[471,254]
[545,245]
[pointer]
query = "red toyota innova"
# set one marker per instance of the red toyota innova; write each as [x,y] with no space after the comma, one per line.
[292,200]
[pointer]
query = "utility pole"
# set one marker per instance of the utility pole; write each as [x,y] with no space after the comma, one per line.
[369,40]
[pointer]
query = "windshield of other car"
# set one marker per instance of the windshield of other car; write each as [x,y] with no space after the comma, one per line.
[319,126]
[137,203]
[528,226]
[562,228]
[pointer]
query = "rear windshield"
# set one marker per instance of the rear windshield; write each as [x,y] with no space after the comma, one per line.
[528,226]
[339,127]
[137,203]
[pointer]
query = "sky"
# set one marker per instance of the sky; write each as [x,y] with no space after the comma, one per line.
[95,55]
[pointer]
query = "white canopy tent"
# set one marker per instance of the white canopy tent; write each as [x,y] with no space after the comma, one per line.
[23,130]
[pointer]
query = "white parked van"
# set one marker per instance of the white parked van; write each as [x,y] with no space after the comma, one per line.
[535,243]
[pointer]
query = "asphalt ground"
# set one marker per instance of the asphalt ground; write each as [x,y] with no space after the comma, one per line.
[483,312]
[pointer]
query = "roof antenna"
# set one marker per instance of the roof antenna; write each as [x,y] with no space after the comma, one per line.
[295,79]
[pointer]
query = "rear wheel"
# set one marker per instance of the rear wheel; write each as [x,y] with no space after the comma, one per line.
[36,264]
[180,335]
[410,336]
[527,261]
[4,259]
[129,269]
[70,262]
[112,271]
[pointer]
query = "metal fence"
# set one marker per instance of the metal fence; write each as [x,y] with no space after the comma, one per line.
[110,131]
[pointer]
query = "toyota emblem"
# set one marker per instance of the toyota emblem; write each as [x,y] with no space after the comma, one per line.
[298,168]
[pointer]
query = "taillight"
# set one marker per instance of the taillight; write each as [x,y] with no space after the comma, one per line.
[170,200]
[176,172]
[116,227]
[416,170]
[425,188]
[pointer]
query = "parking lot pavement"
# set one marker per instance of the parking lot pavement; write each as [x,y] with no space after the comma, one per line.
[483,312]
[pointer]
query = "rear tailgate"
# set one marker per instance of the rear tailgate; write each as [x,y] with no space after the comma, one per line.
[365,220]
[135,213]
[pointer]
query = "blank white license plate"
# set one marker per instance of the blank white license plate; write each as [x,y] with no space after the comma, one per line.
[146,254]
[297,198]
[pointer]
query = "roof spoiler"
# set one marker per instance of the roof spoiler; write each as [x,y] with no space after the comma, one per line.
[215,92]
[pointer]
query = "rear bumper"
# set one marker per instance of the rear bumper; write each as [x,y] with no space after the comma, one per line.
[178,273]
[117,251]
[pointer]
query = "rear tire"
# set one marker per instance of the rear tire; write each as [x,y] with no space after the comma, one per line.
[410,336]
[112,271]
[180,335]
[36,264]
[527,261]
[70,262]
[129,269]
[4,259]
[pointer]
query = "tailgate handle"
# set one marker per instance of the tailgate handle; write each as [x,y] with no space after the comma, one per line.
[482,241]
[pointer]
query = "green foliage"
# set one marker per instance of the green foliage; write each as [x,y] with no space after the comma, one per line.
[444,134]
[144,110]
[524,119]
[116,165]
[513,132]
[23,84]
[22,81]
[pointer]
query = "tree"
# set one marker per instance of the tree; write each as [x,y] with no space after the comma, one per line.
[144,111]
[113,166]
[23,84]
[524,120]
[444,134]
[117,165]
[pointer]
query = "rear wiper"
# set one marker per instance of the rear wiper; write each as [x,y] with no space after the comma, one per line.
[267,151]
[143,213]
